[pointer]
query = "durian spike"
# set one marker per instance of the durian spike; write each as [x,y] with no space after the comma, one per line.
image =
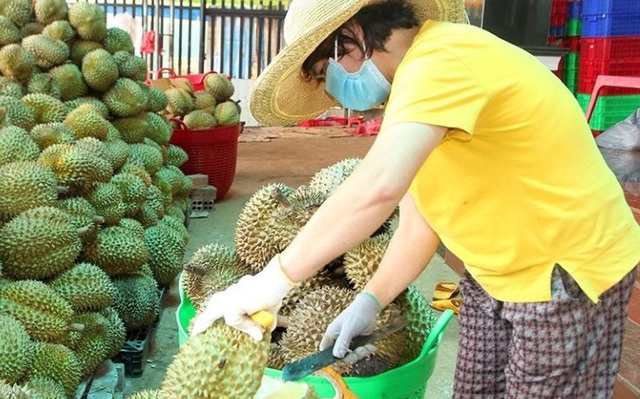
[77,327]
[63,190]
[2,113]
[195,269]
[280,197]
[83,230]
[338,384]
[98,219]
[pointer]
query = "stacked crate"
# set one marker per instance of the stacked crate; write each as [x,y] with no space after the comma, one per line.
[610,45]
[564,32]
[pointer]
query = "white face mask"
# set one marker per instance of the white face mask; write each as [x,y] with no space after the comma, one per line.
[361,90]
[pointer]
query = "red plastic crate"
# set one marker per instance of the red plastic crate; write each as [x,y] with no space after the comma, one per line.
[559,12]
[212,152]
[589,70]
[610,48]
[572,43]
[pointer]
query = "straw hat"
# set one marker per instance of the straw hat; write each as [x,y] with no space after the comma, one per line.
[280,96]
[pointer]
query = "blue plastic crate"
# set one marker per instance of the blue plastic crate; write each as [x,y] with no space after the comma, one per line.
[556,31]
[574,9]
[610,6]
[605,25]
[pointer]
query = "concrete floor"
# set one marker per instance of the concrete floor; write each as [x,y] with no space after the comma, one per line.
[291,159]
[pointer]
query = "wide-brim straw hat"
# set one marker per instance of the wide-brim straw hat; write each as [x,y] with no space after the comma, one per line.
[280,95]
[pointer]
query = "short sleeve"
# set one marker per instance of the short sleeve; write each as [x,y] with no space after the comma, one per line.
[434,86]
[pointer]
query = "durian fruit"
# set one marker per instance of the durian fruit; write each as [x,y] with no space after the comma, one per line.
[328,179]
[31,28]
[16,112]
[160,130]
[146,394]
[137,300]
[57,363]
[93,101]
[9,32]
[60,30]
[86,287]
[48,52]
[134,68]
[100,70]
[150,156]
[17,145]
[420,320]
[45,388]
[253,235]
[176,156]
[227,113]
[117,251]
[83,216]
[14,391]
[16,62]
[80,48]
[178,227]
[86,121]
[212,268]
[180,102]
[97,147]
[321,279]
[219,86]
[205,101]
[18,178]
[133,190]
[89,344]
[361,261]
[221,363]
[89,21]
[69,78]
[199,119]
[15,350]
[76,167]
[45,108]
[115,333]
[294,211]
[48,134]
[272,388]
[39,243]
[44,83]
[19,11]
[126,98]
[166,248]
[43,313]
[9,86]
[49,11]
[118,39]
[309,321]
[107,200]
[133,225]
[132,129]
[277,359]
[157,100]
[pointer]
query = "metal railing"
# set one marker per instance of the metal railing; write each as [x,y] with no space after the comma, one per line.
[235,37]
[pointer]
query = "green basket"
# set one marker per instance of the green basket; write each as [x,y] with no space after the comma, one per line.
[609,110]
[408,381]
[573,27]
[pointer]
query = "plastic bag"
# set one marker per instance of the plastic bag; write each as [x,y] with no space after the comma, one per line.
[624,135]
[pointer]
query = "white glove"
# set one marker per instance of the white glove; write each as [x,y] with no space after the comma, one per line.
[263,291]
[357,319]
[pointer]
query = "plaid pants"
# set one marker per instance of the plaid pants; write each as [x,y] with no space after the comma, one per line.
[568,347]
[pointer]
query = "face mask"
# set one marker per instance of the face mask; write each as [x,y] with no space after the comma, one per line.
[361,90]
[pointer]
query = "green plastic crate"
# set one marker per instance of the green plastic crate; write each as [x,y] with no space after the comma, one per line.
[573,27]
[408,381]
[609,110]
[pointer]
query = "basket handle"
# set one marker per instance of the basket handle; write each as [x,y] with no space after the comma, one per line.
[183,126]
[437,332]
[161,70]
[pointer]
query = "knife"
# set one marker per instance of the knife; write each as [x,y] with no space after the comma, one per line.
[305,366]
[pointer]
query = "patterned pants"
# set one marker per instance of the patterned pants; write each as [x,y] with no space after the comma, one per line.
[566,348]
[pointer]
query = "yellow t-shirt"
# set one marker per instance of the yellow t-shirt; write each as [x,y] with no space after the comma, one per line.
[518,183]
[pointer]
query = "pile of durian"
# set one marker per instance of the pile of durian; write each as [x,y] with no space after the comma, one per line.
[92,200]
[226,363]
[206,108]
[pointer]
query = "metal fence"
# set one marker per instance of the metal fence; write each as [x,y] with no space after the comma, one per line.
[235,37]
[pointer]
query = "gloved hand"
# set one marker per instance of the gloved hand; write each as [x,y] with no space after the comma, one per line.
[263,291]
[357,319]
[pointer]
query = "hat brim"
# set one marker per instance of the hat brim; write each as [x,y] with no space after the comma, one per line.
[281,96]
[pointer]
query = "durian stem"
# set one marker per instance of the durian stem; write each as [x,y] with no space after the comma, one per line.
[83,230]
[77,327]
[98,219]
[195,269]
[63,190]
[280,197]
[282,321]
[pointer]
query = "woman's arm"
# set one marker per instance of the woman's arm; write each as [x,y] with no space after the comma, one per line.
[364,201]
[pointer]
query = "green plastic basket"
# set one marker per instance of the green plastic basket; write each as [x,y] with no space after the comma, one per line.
[609,110]
[408,381]
[573,27]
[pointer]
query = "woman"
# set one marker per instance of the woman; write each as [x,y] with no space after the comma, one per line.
[484,149]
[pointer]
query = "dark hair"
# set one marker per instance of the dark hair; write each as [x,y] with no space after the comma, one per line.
[377,22]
